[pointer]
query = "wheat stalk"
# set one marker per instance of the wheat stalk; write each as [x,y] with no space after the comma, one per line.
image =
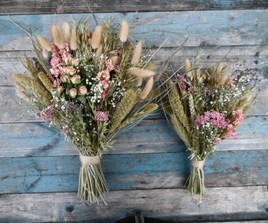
[127,103]
[45,81]
[178,109]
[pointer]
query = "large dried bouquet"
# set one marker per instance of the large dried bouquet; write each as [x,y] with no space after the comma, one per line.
[89,85]
[206,105]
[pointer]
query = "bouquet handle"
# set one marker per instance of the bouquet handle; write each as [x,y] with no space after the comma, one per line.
[92,184]
[196,179]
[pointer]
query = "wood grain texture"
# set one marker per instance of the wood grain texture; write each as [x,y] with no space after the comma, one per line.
[171,204]
[15,109]
[12,7]
[149,136]
[148,165]
[133,171]
[202,28]
[235,57]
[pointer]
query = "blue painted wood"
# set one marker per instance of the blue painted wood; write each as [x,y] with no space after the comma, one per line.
[15,109]
[133,171]
[232,28]
[148,164]
[37,139]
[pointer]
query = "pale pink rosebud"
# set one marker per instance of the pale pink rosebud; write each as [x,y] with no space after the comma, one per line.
[73,92]
[69,70]
[64,78]
[82,90]
[76,79]
[60,89]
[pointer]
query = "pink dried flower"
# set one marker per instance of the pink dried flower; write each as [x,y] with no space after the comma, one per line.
[102,116]
[217,141]
[103,75]
[56,83]
[47,113]
[215,118]
[230,130]
[182,82]
[105,84]
[109,65]
[239,116]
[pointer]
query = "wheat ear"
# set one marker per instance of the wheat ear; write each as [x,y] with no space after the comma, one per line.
[142,113]
[127,103]
[178,110]
[45,81]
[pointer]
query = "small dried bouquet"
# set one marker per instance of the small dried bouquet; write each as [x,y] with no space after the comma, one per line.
[206,105]
[89,85]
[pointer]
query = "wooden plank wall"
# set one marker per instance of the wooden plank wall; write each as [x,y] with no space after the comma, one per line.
[148,165]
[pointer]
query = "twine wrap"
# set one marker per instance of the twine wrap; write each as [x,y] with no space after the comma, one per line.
[92,183]
[89,160]
[199,164]
[196,180]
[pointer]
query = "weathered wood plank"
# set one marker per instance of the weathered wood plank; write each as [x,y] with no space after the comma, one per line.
[48,6]
[242,56]
[15,109]
[171,204]
[228,28]
[133,171]
[37,139]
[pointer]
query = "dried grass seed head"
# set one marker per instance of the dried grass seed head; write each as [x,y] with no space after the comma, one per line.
[137,53]
[124,30]
[66,31]
[140,72]
[57,36]
[147,88]
[96,37]
[44,43]
[73,40]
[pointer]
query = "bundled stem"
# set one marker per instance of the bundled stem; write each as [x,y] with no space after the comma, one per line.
[92,183]
[196,180]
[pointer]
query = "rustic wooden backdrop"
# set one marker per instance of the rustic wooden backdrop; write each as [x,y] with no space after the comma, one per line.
[148,166]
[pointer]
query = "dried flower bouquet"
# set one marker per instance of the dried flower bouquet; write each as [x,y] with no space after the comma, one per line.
[206,105]
[89,85]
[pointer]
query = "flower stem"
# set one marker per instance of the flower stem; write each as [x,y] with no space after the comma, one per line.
[92,184]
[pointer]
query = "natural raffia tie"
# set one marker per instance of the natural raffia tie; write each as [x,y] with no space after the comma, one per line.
[89,160]
[199,164]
